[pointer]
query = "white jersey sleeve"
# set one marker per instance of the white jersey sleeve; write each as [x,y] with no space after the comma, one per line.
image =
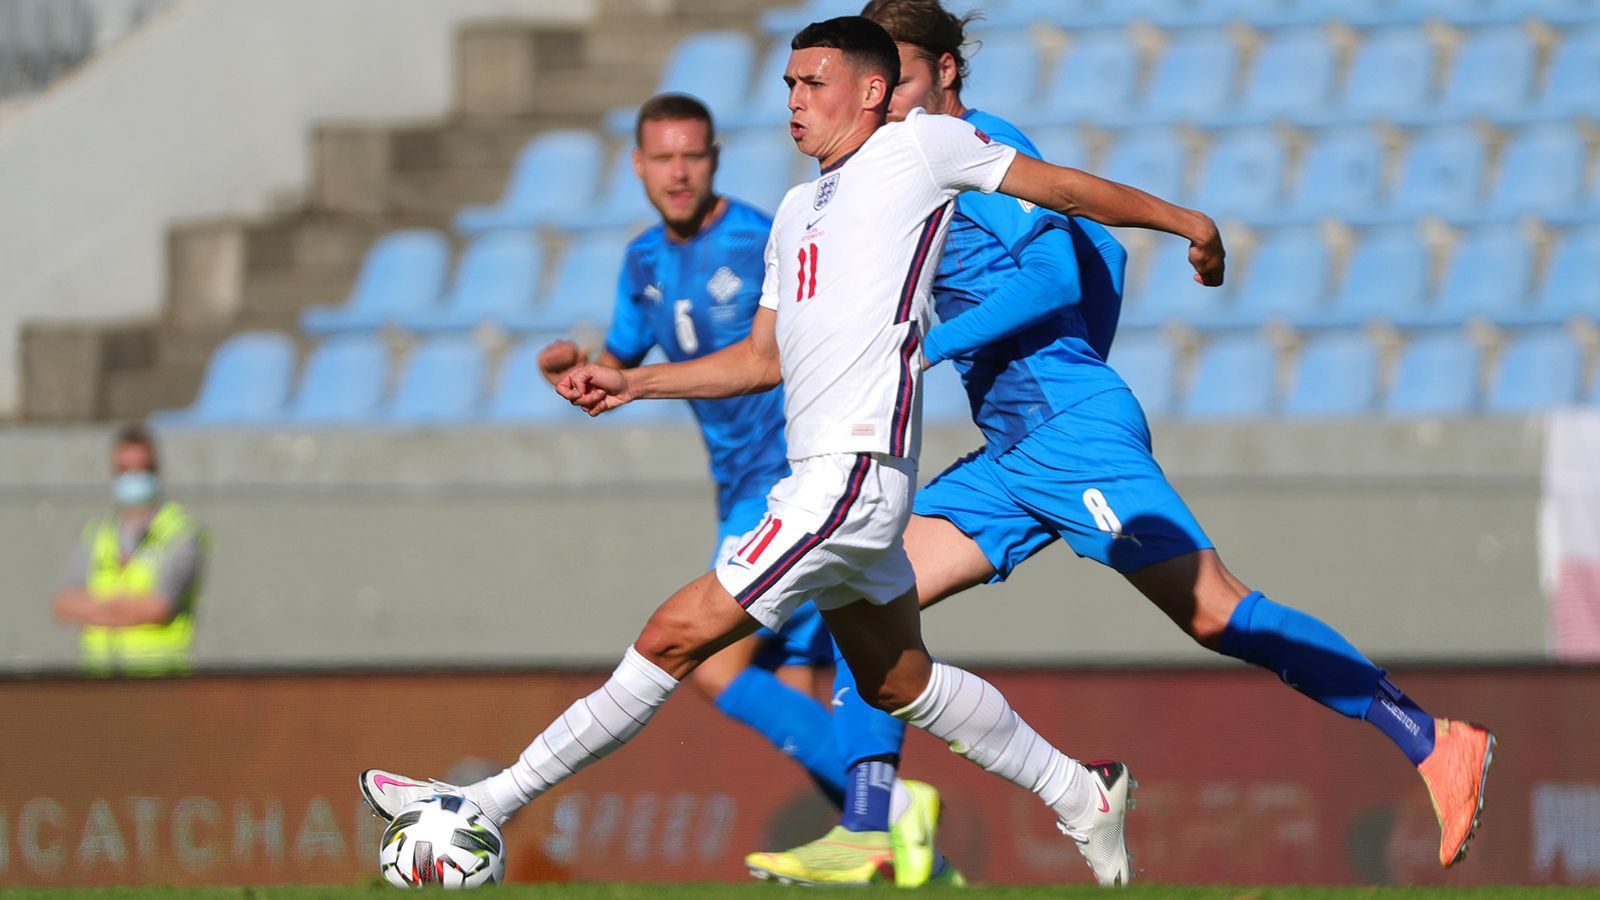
[959,157]
[769,281]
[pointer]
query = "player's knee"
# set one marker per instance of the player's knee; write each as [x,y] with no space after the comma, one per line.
[1210,620]
[897,690]
[670,646]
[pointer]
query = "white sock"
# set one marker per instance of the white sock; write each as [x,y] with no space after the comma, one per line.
[970,715]
[899,800]
[591,728]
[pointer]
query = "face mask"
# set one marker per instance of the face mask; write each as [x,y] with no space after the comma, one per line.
[135,488]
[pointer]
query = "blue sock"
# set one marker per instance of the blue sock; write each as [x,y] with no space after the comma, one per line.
[866,805]
[861,731]
[792,721]
[1317,661]
[1399,717]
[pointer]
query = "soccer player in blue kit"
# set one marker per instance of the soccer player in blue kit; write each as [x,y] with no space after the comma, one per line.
[1028,301]
[690,286]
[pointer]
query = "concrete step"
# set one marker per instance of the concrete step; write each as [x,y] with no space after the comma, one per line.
[646,42]
[284,293]
[490,143]
[133,394]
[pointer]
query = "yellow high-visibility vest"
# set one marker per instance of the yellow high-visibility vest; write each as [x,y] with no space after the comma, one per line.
[156,649]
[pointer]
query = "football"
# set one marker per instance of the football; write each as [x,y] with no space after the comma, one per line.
[442,841]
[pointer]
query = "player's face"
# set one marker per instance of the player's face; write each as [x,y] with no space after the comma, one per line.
[920,84]
[676,161]
[827,96]
[132,458]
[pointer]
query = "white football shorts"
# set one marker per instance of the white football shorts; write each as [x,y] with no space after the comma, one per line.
[833,534]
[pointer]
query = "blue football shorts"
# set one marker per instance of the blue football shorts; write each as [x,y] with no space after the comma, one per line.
[1087,476]
[804,640]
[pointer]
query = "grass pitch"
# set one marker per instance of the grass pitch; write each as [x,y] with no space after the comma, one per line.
[772,892]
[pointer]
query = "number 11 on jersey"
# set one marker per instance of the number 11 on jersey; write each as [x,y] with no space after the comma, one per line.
[808,279]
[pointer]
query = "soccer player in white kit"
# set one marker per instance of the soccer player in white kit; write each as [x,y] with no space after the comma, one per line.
[844,305]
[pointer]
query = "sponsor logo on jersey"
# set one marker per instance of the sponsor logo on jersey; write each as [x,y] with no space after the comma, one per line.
[826,188]
[652,293]
[981,136]
[724,285]
[1026,206]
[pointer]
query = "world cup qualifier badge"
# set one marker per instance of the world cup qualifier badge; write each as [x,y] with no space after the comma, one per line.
[826,188]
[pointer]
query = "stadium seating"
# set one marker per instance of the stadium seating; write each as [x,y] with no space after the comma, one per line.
[584,286]
[1391,75]
[767,103]
[1193,77]
[1493,69]
[1063,146]
[1342,174]
[535,195]
[713,66]
[1489,275]
[1571,288]
[1105,59]
[1541,171]
[1538,369]
[1336,375]
[1440,174]
[442,382]
[1574,69]
[1155,159]
[757,167]
[520,394]
[1005,74]
[1146,362]
[495,282]
[621,204]
[1286,279]
[1234,377]
[344,382]
[246,382]
[403,275]
[1243,174]
[1168,291]
[1385,278]
[1437,375]
[1293,72]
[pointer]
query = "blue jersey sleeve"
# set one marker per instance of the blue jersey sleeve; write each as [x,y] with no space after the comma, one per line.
[631,336]
[1046,280]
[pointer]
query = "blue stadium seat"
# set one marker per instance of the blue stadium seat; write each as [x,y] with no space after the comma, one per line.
[767,104]
[1341,174]
[757,167]
[402,274]
[1437,376]
[1153,159]
[782,23]
[520,393]
[496,281]
[1064,146]
[1385,278]
[1192,79]
[1538,370]
[1337,375]
[1169,293]
[1390,75]
[344,381]
[1287,279]
[1108,61]
[944,398]
[1493,69]
[1243,174]
[1489,275]
[554,174]
[442,383]
[1440,174]
[1234,377]
[1571,288]
[1573,72]
[1146,362]
[712,66]
[1005,75]
[1293,72]
[621,204]
[1541,171]
[1065,13]
[1567,12]
[585,285]
[246,382]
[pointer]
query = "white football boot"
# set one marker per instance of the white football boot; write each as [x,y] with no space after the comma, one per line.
[388,793]
[1101,835]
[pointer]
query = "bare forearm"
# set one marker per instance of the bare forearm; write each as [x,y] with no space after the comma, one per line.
[119,612]
[729,372]
[1120,205]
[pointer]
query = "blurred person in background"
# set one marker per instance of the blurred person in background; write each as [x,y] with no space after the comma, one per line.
[690,286]
[133,579]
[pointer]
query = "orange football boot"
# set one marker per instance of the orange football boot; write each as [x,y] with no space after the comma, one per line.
[1455,773]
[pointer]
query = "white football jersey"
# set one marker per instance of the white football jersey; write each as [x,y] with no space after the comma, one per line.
[850,263]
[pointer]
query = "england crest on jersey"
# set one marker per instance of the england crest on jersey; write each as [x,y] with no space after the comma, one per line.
[723,285]
[826,188]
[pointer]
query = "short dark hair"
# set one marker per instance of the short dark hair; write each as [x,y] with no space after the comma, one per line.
[863,42]
[672,108]
[136,434]
[928,26]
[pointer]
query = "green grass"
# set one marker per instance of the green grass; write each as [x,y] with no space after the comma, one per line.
[770,892]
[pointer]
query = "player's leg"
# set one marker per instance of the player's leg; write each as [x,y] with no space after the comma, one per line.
[698,620]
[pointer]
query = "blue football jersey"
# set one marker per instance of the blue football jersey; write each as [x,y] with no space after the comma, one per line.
[695,297]
[1028,376]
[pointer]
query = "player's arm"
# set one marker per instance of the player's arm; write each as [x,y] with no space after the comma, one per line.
[1077,193]
[627,340]
[1046,282]
[73,604]
[563,355]
[747,367]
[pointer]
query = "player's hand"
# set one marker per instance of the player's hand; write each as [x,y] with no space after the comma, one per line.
[1206,254]
[594,388]
[559,356]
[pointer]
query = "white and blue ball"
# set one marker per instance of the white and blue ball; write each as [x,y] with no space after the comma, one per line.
[444,841]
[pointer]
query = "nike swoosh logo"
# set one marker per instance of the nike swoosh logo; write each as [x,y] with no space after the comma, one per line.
[379,781]
[838,697]
[811,225]
[1105,805]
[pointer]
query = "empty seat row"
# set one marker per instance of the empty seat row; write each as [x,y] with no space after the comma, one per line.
[1342,374]
[1202,75]
[406,282]
[1491,272]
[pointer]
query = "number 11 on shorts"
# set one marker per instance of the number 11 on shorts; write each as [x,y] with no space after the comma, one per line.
[759,539]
